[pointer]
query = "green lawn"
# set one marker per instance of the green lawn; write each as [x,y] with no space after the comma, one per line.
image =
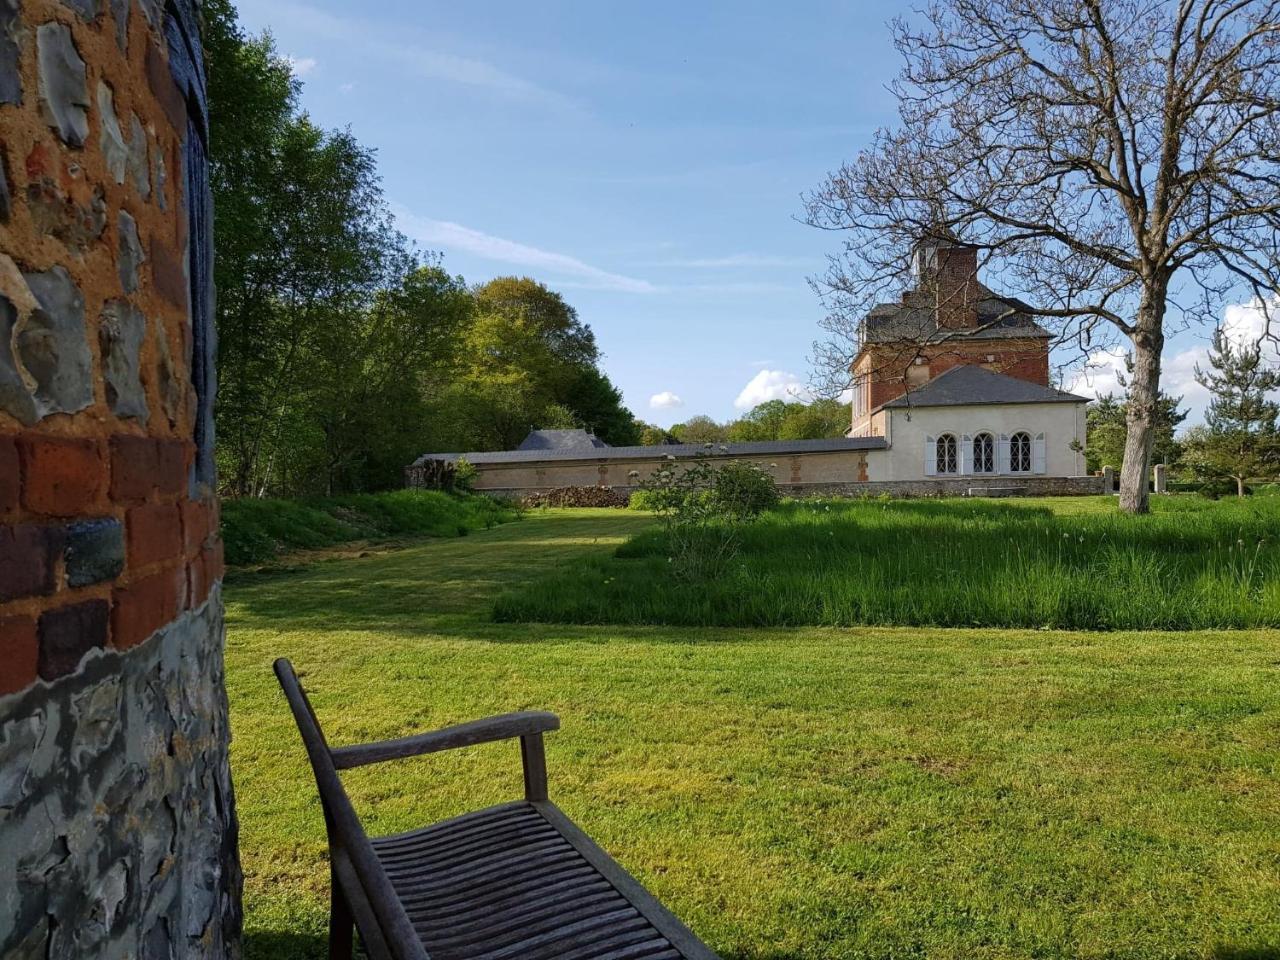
[1075,564]
[808,793]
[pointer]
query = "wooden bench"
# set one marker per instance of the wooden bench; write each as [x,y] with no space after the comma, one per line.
[518,881]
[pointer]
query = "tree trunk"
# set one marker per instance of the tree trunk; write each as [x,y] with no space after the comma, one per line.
[1239,486]
[1144,388]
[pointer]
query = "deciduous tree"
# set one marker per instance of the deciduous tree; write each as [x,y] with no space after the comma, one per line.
[1104,156]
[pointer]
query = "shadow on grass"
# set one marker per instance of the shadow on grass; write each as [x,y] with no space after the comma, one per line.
[1246,953]
[285,945]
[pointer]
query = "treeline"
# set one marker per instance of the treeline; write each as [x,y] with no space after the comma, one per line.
[344,352]
[771,420]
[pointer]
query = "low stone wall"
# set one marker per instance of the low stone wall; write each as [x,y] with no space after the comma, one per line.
[115,802]
[961,487]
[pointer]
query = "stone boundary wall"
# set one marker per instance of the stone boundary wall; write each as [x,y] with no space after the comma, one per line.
[1034,487]
[117,826]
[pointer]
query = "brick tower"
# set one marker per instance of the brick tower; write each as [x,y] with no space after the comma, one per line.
[116,812]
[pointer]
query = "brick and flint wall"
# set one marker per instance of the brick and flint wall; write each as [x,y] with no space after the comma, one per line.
[116,814]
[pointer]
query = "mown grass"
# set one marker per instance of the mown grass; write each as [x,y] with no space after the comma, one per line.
[257,531]
[1070,563]
[817,794]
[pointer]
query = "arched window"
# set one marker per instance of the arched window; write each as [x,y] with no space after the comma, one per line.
[984,453]
[1020,452]
[948,461]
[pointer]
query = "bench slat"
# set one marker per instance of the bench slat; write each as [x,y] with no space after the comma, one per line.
[507,883]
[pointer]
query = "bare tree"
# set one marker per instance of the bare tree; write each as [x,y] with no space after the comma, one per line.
[1116,162]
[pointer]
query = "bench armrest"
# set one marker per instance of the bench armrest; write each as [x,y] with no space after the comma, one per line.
[507,726]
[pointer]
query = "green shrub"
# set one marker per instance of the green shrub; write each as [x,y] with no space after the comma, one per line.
[644,499]
[257,531]
[464,475]
[702,504]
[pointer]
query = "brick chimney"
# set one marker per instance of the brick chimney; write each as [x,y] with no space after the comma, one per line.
[948,275]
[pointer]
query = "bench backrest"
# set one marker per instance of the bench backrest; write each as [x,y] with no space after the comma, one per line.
[384,926]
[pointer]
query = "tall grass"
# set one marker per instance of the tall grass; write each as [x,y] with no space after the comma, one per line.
[256,531]
[1192,564]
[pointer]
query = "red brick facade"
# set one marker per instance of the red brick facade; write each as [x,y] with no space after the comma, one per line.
[101,541]
[948,290]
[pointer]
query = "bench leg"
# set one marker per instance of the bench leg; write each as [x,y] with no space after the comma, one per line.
[341,925]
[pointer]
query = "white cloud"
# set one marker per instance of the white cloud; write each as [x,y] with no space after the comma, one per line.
[445,235]
[347,87]
[1100,375]
[666,400]
[301,66]
[757,260]
[414,58]
[1242,323]
[772,385]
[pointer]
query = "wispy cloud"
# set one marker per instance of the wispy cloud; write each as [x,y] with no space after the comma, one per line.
[737,260]
[415,59]
[446,235]
[301,66]
[666,400]
[772,385]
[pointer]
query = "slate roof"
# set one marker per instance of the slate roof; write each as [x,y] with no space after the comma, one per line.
[975,385]
[889,322]
[561,440]
[764,448]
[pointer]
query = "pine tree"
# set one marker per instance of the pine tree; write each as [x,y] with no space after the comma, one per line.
[1240,437]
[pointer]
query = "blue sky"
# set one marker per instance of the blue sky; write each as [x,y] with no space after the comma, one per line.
[647,160]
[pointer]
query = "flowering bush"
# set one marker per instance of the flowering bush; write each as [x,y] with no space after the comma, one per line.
[702,505]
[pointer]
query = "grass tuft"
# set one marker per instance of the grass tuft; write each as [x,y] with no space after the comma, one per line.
[1071,564]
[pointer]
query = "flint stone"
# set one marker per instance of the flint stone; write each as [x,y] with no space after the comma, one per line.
[96,716]
[131,253]
[167,381]
[6,204]
[63,94]
[120,333]
[56,213]
[53,346]
[114,150]
[125,847]
[94,551]
[15,398]
[85,9]
[18,740]
[120,13]
[162,180]
[10,78]
[138,157]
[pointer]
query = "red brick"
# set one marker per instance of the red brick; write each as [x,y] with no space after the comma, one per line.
[196,526]
[66,634]
[168,274]
[160,80]
[173,459]
[61,477]
[28,560]
[216,560]
[134,465]
[19,654]
[144,606]
[10,475]
[205,569]
[153,532]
